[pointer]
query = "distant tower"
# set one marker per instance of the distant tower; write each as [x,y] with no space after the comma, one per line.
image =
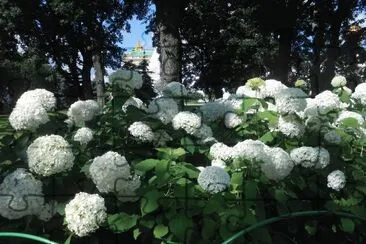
[137,54]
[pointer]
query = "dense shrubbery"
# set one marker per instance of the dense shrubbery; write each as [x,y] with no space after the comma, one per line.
[167,171]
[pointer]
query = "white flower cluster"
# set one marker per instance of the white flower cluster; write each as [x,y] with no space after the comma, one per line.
[271,88]
[188,121]
[31,109]
[276,163]
[323,103]
[83,135]
[106,169]
[111,174]
[141,131]
[246,91]
[290,126]
[163,109]
[336,180]
[175,90]
[82,111]
[218,163]
[214,179]
[290,100]
[85,213]
[338,81]
[360,94]
[135,102]
[309,157]
[48,155]
[220,151]
[20,195]
[212,111]
[279,165]
[250,149]
[127,80]
[349,114]
[232,120]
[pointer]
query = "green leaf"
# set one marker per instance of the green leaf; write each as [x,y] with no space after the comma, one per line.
[121,222]
[280,196]
[209,228]
[268,137]
[248,103]
[149,201]
[171,153]
[181,226]
[68,240]
[136,233]
[188,144]
[237,181]
[311,227]
[146,165]
[347,225]
[350,122]
[160,230]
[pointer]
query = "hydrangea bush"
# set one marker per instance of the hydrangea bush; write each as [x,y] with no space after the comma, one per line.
[166,171]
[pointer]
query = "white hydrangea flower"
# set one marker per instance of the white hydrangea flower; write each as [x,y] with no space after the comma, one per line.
[161,137]
[279,165]
[175,90]
[325,102]
[336,180]
[203,132]
[360,94]
[349,114]
[289,126]
[200,168]
[212,111]
[308,157]
[246,91]
[290,100]
[218,163]
[48,155]
[271,88]
[338,81]
[82,111]
[141,131]
[85,213]
[332,137]
[20,195]
[28,117]
[213,179]
[126,189]
[250,149]
[163,109]
[232,120]
[188,121]
[83,135]
[135,102]
[128,80]
[220,151]
[106,169]
[44,98]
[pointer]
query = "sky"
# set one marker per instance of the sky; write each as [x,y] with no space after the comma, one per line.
[137,34]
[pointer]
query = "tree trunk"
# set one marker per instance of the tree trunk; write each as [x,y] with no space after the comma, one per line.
[282,67]
[99,79]
[87,65]
[318,44]
[333,51]
[168,16]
